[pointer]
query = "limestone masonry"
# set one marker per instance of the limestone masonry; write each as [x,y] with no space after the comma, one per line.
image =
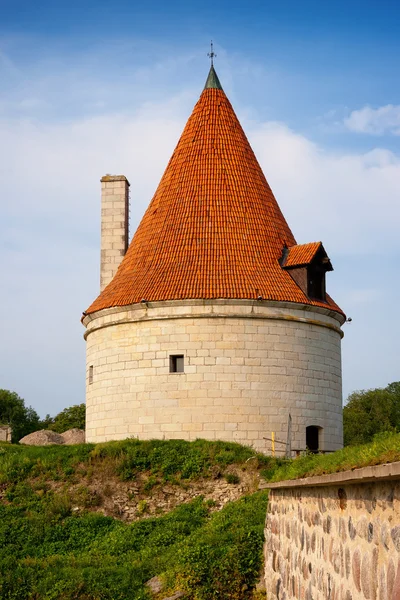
[335,537]
[214,323]
[114,225]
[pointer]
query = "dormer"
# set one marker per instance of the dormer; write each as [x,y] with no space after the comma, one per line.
[307,265]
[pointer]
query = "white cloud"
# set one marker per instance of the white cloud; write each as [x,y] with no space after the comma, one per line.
[375,121]
[350,201]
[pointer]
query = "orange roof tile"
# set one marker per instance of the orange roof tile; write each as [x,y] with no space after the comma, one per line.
[301,254]
[213,228]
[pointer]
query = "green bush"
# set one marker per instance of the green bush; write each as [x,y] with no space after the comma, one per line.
[370,412]
[224,558]
[173,458]
[69,418]
[47,552]
[22,419]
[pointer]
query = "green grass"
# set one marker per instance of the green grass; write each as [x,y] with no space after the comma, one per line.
[385,448]
[19,463]
[50,550]
[47,552]
[163,460]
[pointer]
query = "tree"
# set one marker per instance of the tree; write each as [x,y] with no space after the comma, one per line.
[47,422]
[368,412]
[22,419]
[71,417]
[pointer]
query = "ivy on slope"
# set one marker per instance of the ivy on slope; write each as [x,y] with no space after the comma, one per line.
[46,552]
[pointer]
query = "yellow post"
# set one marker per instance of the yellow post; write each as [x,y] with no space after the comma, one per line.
[273,443]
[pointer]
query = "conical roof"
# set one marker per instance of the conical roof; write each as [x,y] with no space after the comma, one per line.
[213,228]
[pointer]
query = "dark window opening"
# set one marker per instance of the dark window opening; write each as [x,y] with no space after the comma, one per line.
[176,364]
[312,438]
[91,374]
[316,282]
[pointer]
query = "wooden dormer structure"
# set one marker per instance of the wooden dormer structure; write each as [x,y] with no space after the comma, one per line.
[307,264]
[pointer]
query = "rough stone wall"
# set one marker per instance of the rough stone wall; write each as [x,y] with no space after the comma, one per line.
[5,433]
[247,365]
[114,225]
[334,543]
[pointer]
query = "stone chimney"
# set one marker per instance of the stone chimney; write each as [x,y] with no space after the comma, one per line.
[114,225]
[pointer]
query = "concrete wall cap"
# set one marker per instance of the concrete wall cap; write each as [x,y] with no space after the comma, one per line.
[362,475]
[110,178]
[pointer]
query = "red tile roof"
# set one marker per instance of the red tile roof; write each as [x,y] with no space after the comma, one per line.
[302,254]
[213,228]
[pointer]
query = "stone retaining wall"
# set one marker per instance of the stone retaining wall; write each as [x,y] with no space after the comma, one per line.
[335,537]
[5,433]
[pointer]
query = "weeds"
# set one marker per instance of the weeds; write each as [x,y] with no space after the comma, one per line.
[164,461]
[50,548]
[232,478]
[47,552]
[384,448]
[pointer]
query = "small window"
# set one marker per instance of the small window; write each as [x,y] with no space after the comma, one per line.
[90,374]
[176,364]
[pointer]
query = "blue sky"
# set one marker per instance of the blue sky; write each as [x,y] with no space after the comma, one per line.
[88,88]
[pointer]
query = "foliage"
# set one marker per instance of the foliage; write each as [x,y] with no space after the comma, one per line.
[22,419]
[161,460]
[20,463]
[369,412]
[232,478]
[384,448]
[47,552]
[47,422]
[174,459]
[223,559]
[50,550]
[69,418]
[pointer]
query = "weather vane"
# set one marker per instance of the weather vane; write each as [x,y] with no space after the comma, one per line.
[212,54]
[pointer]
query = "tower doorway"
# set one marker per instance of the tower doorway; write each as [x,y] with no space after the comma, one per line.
[312,438]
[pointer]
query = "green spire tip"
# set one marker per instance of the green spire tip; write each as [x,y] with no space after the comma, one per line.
[212,80]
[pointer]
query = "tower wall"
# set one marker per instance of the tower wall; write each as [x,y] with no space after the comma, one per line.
[247,365]
[114,225]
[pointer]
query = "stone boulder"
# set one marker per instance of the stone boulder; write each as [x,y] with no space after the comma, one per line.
[73,436]
[44,437]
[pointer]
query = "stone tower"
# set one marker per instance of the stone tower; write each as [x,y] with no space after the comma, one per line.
[216,323]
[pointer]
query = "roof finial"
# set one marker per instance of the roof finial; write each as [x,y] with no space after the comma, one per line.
[212,54]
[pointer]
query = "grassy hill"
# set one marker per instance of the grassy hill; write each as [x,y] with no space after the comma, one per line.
[97,521]
[385,448]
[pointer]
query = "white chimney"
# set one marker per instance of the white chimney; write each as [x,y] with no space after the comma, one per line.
[114,225]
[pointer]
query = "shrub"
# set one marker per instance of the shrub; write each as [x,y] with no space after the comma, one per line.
[224,559]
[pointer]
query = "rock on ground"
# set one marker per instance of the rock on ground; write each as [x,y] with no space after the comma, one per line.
[155,584]
[44,437]
[73,436]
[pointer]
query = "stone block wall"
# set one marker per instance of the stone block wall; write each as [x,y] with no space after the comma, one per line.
[5,433]
[114,225]
[247,364]
[337,541]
